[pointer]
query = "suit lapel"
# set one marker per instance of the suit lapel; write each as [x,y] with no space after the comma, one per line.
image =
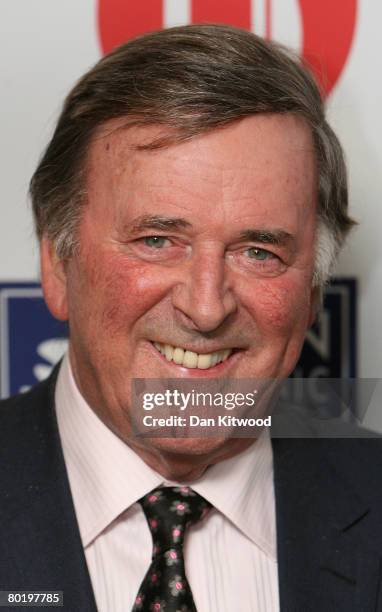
[47,554]
[327,553]
[40,543]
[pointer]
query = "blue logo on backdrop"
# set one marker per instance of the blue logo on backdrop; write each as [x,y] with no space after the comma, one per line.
[32,341]
[330,348]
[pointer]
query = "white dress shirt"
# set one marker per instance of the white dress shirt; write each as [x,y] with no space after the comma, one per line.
[230,558]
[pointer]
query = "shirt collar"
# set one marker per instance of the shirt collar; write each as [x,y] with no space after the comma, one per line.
[107,477]
[242,489]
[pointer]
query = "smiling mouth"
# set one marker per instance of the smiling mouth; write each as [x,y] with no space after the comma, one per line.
[189,359]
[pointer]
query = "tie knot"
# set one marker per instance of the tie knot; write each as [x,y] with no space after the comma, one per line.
[169,512]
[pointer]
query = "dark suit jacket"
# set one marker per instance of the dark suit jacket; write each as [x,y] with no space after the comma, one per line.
[328,506]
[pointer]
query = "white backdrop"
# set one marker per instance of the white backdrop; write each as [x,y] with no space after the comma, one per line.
[45,45]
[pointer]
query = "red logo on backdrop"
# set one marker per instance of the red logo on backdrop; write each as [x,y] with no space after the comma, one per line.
[327,26]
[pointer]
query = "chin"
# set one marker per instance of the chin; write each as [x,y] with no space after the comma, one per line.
[186,447]
[186,459]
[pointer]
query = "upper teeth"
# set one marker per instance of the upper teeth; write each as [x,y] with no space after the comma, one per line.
[189,359]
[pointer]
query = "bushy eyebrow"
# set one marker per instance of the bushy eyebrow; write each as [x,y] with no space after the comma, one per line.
[276,237]
[157,222]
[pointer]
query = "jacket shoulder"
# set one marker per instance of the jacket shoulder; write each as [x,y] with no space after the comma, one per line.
[28,431]
[26,407]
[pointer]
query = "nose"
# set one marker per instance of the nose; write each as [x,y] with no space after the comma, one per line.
[203,298]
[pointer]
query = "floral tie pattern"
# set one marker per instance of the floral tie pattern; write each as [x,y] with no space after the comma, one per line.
[169,512]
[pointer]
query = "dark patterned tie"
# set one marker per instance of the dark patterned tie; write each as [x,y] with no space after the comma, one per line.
[169,512]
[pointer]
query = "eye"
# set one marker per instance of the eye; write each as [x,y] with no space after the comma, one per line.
[259,254]
[156,242]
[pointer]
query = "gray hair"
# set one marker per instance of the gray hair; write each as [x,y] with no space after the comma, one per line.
[189,79]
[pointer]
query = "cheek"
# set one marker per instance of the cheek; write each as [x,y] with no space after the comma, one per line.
[282,305]
[120,291]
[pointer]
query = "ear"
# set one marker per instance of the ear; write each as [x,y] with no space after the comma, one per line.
[53,280]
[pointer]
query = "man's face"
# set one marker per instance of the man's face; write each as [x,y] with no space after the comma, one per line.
[205,246]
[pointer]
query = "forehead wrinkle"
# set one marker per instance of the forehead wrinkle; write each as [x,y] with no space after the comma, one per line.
[205,179]
[252,190]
